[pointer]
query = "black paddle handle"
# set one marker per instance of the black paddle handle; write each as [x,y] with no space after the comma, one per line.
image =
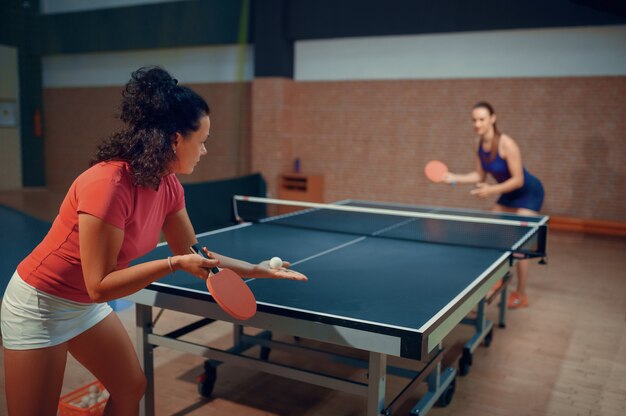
[196,249]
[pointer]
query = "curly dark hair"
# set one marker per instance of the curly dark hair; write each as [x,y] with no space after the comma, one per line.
[153,108]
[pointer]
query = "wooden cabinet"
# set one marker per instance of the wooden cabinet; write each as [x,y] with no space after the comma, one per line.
[300,187]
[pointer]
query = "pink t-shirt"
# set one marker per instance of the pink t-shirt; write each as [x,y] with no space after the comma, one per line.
[105,191]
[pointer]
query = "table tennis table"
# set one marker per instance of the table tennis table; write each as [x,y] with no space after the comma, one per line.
[386,279]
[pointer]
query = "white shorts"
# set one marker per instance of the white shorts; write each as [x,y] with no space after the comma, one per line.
[34,319]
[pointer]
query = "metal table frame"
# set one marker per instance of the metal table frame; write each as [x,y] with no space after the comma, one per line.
[378,346]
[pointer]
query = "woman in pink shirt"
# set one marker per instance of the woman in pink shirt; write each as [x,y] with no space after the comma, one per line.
[112,214]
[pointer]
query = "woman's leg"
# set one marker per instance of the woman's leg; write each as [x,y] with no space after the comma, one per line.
[522,276]
[108,353]
[522,265]
[33,380]
[518,298]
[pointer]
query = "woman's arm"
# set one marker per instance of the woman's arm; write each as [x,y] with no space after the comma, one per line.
[260,270]
[472,177]
[513,157]
[100,244]
[179,234]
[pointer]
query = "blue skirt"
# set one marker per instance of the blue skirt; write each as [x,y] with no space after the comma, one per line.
[529,196]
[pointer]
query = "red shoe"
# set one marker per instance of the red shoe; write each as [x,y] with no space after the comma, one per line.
[517,300]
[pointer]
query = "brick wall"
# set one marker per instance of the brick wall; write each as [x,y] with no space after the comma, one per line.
[76,119]
[371,139]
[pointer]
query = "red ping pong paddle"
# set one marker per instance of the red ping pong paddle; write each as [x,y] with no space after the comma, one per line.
[229,290]
[436,171]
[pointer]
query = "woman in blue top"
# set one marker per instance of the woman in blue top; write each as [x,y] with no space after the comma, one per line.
[520,192]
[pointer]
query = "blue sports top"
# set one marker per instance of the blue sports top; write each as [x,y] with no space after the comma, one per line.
[529,196]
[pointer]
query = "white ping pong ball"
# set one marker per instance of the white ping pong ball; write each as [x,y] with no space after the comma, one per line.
[276,263]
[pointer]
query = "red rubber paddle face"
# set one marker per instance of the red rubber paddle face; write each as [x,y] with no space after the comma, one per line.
[232,294]
[229,290]
[436,171]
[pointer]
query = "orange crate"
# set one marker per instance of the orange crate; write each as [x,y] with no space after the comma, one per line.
[70,404]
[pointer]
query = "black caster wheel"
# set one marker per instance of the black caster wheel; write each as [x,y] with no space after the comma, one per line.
[265,353]
[206,381]
[446,397]
[465,362]
[488,338]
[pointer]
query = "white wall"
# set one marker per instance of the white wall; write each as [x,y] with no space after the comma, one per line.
[560,52]
[189,65]
[10,157]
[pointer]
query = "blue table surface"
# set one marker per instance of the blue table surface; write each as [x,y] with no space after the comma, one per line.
[370,279]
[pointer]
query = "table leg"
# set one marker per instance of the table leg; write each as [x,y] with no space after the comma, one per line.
[145,351]
[441,385]
[376,386]
[504,297]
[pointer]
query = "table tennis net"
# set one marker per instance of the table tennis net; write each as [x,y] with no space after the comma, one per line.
[479,229]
